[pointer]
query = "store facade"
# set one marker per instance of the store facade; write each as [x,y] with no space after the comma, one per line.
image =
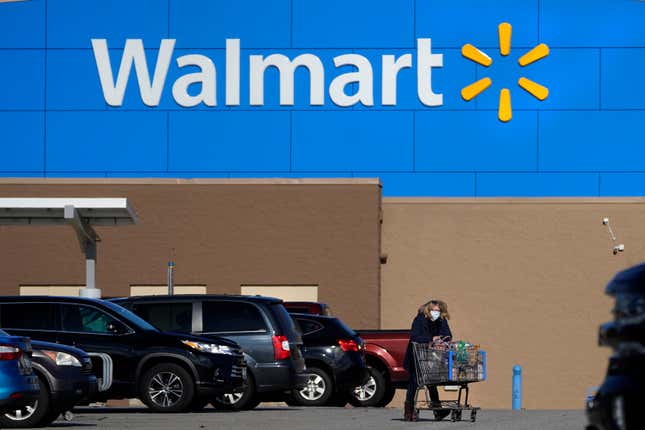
[375,152]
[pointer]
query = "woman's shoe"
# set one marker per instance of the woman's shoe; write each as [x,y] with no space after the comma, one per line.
[415,414]
[408,411]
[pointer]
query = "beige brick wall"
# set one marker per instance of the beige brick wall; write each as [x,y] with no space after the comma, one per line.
[524,278]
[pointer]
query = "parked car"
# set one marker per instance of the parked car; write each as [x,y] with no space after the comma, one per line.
[384,353]
[335,359]
[65,378]
[616,405]
[260,325]
[169,372]
[18,383]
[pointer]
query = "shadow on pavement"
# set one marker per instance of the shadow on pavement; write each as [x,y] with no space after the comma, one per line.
[107,411]
[421,420]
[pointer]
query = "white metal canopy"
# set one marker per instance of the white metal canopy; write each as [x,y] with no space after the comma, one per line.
[80,213]
[94,211]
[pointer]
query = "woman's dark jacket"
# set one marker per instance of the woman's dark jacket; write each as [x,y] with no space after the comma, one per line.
[422,331]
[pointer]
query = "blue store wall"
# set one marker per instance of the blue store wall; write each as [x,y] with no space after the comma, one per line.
[586,139]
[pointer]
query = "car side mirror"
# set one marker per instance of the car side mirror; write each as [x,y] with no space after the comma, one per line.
[116,327]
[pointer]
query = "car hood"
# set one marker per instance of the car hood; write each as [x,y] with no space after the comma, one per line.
[38,345]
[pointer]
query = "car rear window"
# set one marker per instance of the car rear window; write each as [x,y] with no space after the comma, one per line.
[308,326]
[28,316]
[230,316]
[343,328]
[287,324]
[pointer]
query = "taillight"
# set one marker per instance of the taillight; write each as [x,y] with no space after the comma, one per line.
[9,352]
[349,345]
[281,349]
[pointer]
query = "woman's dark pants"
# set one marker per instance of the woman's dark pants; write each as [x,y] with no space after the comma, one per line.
[413,386]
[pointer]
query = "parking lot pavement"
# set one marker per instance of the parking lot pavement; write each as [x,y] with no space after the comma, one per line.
[281,418]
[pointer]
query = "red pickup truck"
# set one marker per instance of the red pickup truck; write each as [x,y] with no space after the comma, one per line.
[384,353]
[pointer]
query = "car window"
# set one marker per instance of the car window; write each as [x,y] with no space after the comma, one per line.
[228,316]
[28,316]
[287,323]
[309,326]
[129,317]
[85,319]
[167,316]
[344,328]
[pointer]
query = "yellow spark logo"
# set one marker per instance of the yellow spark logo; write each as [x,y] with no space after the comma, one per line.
[504,111]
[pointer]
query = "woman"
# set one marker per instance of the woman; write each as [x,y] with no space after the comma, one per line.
[429,326]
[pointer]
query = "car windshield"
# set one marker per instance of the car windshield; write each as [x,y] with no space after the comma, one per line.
[130,317]
[3,333]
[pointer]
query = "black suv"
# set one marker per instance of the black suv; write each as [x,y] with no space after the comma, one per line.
[335,358]
[169,372]
[618,402]
[65,379]
[260,325]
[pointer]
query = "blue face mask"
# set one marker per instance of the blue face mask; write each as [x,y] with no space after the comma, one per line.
[434,315]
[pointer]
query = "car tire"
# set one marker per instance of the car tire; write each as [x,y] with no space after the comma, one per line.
[390,392]
[317,391]
[246,400]
[39,413]
[167,387]
[371,393]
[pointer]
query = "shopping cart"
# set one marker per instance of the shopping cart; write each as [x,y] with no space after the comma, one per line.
[455,365]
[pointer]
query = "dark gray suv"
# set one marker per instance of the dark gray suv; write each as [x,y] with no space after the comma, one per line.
[260,325]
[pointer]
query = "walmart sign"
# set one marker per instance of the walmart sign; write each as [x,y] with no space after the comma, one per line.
[151,89]
[462,98]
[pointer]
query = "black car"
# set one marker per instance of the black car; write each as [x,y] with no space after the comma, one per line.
[335,358]
[65,379]
[169,372]
[260,325]
[618,402]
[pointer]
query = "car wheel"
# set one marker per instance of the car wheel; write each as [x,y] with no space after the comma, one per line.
[38,413]
[317,391]
[387,397]
[371,392]
[245,400]
[167,388]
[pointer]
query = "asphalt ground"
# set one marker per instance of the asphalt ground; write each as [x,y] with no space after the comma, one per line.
[281,418]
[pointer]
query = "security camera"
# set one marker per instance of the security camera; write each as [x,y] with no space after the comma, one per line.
[618,247]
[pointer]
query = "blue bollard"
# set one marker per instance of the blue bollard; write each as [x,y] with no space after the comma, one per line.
[517,388]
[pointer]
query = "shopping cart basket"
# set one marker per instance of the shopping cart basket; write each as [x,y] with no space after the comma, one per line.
[454,365]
